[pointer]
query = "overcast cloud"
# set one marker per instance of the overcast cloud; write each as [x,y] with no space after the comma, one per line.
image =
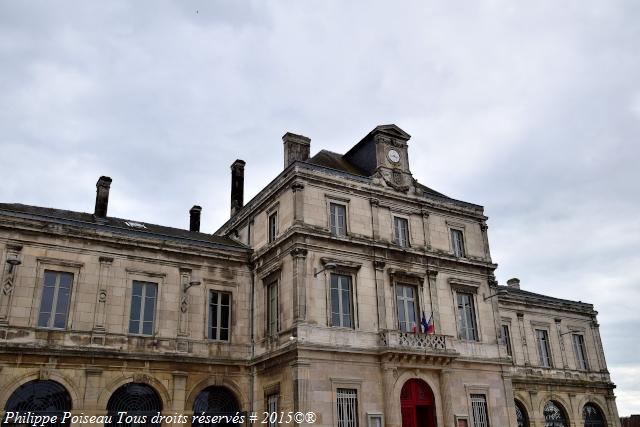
[530,109]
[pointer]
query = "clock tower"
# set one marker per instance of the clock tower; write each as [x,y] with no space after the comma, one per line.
[383,155]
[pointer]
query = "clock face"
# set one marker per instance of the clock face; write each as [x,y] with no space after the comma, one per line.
[394,156]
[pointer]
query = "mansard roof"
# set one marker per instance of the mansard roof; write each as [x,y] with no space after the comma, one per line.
[118,225]
[527,297]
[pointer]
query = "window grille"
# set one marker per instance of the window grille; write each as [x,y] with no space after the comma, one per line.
[347,407]
[544,350]
[143,307]
[406,304]
[338,214]
[54,305]
[457,242]
[580,350]
[272,408]
[592,416]
[479,408]
[521,418]
[466,317]
[401,231]
[42,397]
[553,415]
[219,315]
[341,301]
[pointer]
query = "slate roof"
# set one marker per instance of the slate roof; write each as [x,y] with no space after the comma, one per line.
[329,159]
[533,296]
[117,225]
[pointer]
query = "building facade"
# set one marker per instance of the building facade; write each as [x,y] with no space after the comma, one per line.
[344,288]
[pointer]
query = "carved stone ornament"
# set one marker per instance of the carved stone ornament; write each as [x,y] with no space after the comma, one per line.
[103,295]
[184,305]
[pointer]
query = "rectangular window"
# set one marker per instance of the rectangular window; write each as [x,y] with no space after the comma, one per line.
[457,242]
[54,305]
[272,408]
[338,214]
[580,350]
[272,309]
[341,301]
[544,351]
[407,307]
[143,308]
[466,317]
[401,231]
[506,338]
[219,315]
[347,407]
[273,227]
[479,409]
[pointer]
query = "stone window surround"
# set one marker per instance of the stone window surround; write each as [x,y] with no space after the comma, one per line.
[344,268]
[411,279]
[142,276]
[545,327]
[375,416]
[469,287]
[352,383]
[395,214]
[580,330]
[218,286]
[57,265]
[269,390]
[454,225]
[273,208]
[343,201]
[479,389]
[509,323]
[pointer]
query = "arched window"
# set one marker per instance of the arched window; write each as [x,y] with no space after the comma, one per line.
[41,397]
[139,401]
[592,416]
[554,415]
[215,400]
[521,415]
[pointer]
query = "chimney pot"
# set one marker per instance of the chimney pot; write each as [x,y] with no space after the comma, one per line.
[237,186]
[296,147]
[194,218]
[102,197]
[514,283]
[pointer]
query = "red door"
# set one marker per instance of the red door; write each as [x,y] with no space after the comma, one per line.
[417,404]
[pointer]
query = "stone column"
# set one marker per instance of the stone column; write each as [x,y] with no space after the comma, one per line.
[92,390]
[392,415]
[378,267]
[183,310]
[179,395]
[510,403]
[425,229]
[298,202]
[445,394]
[9,268]
[375,222]
[485,241]
[563,352]
[523,338]
[432,282]
[300,371]
[100,317]
[299,256]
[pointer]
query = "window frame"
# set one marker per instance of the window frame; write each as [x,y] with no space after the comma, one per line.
[270,316]
[582,348]
[344,205]
[272,232]
[549,356]
[416,303]
[210,292]
[349,277]
[62,266]
[396,236]
[53,313]
[143,298]
[485,402]
[471,389]
[474,316]
[505,330]
[453,230]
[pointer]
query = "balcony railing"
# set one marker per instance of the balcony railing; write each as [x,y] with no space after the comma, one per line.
[411,341]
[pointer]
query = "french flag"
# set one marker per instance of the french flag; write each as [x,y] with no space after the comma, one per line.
[427,326]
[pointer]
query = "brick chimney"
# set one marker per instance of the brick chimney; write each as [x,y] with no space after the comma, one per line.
[102,197]
[237,186]
[194,218]
[514,283]
[296,147]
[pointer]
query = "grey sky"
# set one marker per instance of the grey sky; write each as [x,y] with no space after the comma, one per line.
[530,109]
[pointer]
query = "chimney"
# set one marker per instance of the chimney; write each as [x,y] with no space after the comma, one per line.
[296,147]
[194,218]
[237,186]
[102,197]
[514,283]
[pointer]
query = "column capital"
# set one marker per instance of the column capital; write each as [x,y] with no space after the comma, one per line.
[432,273]
[105,260]
[299,253]
[379,265]
[297,186]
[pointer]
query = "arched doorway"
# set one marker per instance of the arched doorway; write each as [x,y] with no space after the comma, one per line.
[215,400]
[41,397]
[521,415]
[592,416]
[417,404]
[139,401]
[554,415]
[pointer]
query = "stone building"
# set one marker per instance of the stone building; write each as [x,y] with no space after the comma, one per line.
[312,297]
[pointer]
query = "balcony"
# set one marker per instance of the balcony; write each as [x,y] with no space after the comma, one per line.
[413,342]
